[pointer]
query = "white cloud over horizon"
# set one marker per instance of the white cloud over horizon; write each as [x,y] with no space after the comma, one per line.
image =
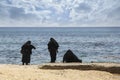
[53,13]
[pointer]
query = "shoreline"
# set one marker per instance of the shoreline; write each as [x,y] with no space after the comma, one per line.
[60,71]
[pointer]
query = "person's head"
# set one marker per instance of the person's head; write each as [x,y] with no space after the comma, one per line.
[51,39]
[28,42]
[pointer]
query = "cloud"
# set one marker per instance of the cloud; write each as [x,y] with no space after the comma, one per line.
[59,13]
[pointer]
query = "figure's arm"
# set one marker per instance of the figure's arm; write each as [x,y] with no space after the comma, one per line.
[33,47]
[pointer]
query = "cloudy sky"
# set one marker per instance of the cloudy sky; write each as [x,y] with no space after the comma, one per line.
[56,13]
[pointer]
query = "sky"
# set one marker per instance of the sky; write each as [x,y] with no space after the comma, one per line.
[59,13]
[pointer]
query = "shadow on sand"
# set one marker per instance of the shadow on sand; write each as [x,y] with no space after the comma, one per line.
[80,66]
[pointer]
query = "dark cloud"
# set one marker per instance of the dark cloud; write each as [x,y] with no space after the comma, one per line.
[83,7]
[11,12]
[57,1]
[115,14]
[3,12]
[8,1]
[16,13]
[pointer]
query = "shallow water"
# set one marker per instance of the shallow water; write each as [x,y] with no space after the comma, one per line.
[89,44]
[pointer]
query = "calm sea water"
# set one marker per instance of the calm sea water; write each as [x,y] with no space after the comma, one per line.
[89,44]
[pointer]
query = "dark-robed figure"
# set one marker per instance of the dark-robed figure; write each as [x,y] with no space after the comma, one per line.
[26,51]
[70,57]
[53,49]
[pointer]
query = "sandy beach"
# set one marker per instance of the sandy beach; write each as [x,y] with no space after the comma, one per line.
[60,71]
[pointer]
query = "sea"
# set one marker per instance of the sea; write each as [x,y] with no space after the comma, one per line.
[90,44]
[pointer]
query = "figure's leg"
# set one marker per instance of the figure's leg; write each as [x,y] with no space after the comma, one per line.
[53,56]
[23,59]
[22,63]
[26,63]
[28,59]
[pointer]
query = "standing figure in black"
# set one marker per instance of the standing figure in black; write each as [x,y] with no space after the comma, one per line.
[26,51]
[53,49]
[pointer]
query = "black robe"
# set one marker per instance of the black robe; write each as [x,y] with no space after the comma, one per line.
[70,57]
[26,52]
[53,49]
